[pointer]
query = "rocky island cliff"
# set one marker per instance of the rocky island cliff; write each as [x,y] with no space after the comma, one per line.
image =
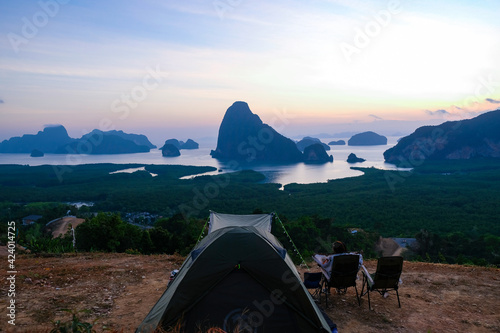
[55,140]
[46,141]
[367,139]
[244,137]
[308,141]
[478,137]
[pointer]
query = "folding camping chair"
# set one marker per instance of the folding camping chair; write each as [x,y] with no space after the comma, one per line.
[343,274]
[313,281]
[385,279]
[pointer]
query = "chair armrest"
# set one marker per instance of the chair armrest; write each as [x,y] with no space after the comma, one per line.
[367,275]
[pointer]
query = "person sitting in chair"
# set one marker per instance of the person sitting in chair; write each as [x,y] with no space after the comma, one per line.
[339,248]
[326,261]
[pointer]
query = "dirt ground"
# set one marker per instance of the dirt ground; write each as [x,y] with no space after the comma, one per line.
[388,247]
[62,226]
[120,289]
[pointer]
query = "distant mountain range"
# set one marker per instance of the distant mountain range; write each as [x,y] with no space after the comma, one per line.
[360,139]
[55,140]
[46,141]
[244,137]
[478,137]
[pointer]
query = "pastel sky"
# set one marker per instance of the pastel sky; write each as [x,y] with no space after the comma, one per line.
[172,68]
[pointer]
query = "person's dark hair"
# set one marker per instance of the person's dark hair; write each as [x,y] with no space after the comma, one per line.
[339,247]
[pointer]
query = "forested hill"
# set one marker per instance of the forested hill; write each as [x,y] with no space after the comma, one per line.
[452,203]
[440,198]
[478,137]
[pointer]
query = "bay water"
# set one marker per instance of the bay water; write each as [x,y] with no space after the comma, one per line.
[301,173]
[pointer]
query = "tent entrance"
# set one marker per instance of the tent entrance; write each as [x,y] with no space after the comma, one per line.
[240,302]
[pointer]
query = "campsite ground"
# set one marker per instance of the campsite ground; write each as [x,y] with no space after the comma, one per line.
[120,289]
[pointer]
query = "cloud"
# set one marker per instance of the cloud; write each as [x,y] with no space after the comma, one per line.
[1,101]
[437,112]
[375,117]
[491,100]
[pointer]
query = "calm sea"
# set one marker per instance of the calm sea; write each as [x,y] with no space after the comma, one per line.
[283,174]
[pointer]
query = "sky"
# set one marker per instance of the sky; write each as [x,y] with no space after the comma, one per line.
[172,68]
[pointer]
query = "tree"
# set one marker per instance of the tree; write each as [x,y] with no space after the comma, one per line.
[161,240]
[184,233]
[146,245]
[104,232]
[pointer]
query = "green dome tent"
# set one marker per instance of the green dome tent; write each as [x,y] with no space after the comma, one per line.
[238,277]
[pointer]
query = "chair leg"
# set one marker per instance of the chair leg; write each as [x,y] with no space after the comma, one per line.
[327,292]
[368,292]
[357,296]
[323,290]
[316,294]
[397,293]
[363,292]
[326,289]
[320,292]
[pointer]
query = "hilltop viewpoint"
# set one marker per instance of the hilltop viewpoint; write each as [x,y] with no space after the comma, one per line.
[118,290]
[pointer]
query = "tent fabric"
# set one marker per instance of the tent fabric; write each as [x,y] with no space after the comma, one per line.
[260,221]
[250,310]
[239,276]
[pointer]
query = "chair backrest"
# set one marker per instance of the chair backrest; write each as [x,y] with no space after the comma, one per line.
[388,272]
[344,271]
[312,280]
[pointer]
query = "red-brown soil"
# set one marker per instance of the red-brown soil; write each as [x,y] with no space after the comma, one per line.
[62,226]
[120,289]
